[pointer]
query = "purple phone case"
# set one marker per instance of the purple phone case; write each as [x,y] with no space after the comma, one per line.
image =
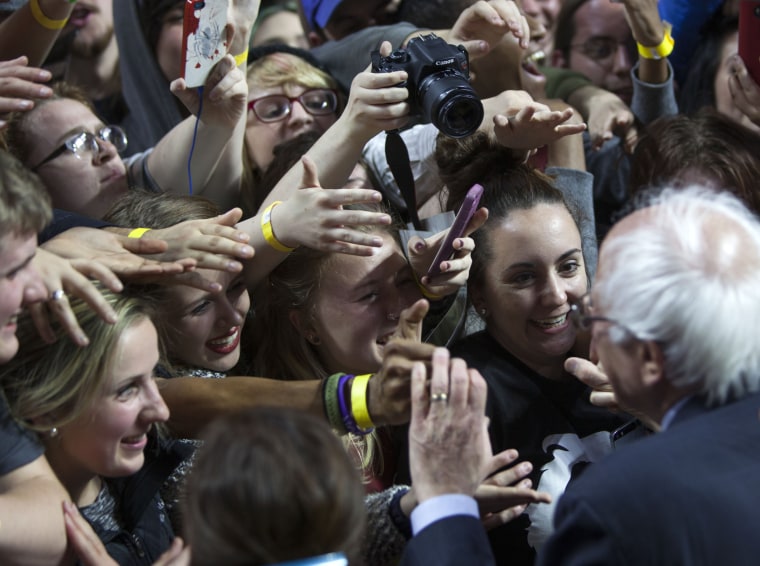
[468,208]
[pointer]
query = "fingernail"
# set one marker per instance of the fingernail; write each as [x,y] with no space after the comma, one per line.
[45,91]
[214,287]
[571,365]
[24,104]
[526,467]
[234,266]
[377,242]
[83,340]
[246,251]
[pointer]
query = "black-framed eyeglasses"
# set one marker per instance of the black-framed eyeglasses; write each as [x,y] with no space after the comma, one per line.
[583,318]
[276,107]
[602,50]
[81,143]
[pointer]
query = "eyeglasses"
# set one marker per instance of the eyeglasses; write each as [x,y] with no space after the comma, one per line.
[602,50]
[276,107]
[583,318]
[79,144]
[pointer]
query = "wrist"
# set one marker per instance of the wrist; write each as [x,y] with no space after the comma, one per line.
[657,48]
[279,224]
[51,14]
[408,502]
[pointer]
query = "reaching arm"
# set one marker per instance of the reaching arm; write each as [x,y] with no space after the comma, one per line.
[22,34]
[224,101]
[31,523]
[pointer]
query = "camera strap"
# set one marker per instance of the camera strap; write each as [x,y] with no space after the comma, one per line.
[398,160]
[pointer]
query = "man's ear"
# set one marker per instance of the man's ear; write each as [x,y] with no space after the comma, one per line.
[558,59]
[653,363]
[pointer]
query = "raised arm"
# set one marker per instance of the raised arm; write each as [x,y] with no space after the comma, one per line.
[224,101]
[32,32]
[31,523]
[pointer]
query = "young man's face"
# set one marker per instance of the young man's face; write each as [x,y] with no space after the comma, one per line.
[16,275]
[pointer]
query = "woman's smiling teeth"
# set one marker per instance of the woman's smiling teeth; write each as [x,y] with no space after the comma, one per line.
[551,322]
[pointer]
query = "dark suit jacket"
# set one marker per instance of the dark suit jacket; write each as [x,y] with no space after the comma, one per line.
[459,540]
[689,495]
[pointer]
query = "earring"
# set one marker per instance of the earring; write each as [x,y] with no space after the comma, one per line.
[313,339]
[393,316]
[53,432]
[483,312]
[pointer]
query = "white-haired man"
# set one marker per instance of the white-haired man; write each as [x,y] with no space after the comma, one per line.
[673,315]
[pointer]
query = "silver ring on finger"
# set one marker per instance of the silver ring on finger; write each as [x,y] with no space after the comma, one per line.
[443,397]
[57,295]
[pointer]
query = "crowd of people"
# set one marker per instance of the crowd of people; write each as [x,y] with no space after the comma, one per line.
[226,335]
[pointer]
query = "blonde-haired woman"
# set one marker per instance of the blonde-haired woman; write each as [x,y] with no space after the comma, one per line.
[96,410]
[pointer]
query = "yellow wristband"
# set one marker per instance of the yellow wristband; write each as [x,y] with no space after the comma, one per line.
[359,408]
[43,20]
[425,293]
[266,229]
[138,232]
[242,58]
[661,51]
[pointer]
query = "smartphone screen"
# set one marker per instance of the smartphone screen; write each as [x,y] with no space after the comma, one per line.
[463,217]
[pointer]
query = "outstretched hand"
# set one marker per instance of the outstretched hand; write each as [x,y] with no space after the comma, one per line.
[122,255]
[389,398]
[504,496]
[454,271]
[225,95]
[593,375]
[449,448]
[314,217]
[534,126]
[61,277]
[483,25]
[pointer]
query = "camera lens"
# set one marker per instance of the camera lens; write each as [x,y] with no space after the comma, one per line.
[757,11]
[448,101]
[460,116]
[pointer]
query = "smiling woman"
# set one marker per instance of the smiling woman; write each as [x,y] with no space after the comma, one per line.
[528,269]
[96,410]
[200,330]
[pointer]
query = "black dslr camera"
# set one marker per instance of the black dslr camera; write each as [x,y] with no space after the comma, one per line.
[438,83]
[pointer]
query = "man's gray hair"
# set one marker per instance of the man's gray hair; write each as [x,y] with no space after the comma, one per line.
[689,278]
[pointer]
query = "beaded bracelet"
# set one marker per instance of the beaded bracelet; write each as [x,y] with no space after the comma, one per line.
[331,403]
[40,17]
[359,408]
[345,411]
[138,232]
[662,50]
[266,229]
